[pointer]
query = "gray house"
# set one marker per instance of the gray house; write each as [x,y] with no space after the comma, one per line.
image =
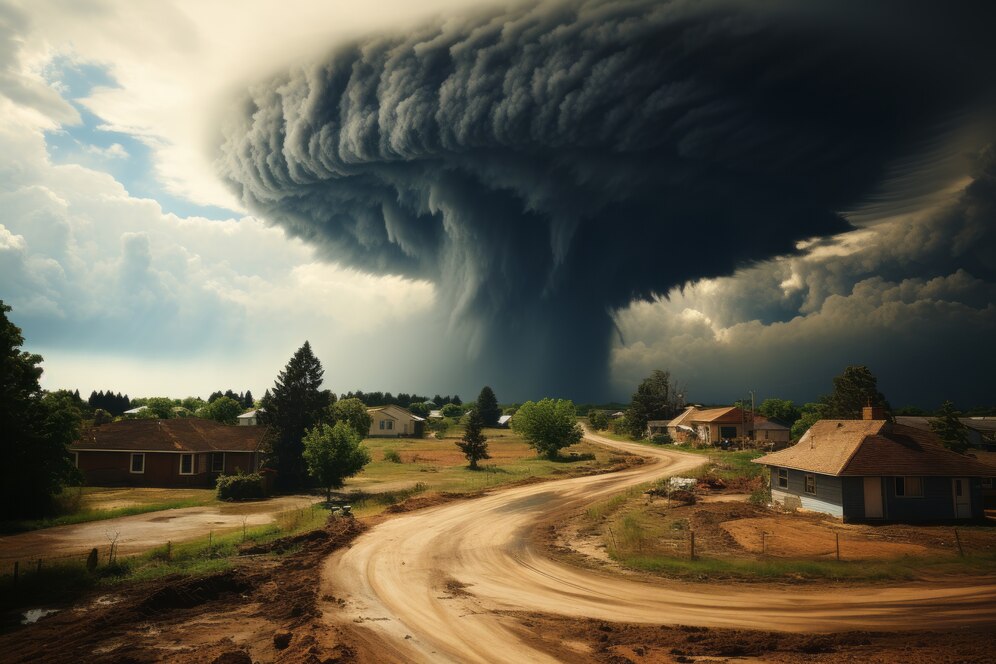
[871,469]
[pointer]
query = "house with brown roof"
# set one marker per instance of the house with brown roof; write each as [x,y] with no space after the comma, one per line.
[166,453]
[771,430]
[872,469]
[711,425]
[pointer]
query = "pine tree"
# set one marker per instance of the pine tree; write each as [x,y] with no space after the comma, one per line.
[294,406]
[487,406]
[949,428]
[474,445]
[248,401]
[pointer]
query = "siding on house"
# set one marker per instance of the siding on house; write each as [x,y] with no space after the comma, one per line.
[936,504]
[853,497]
[828,497]
[161,469]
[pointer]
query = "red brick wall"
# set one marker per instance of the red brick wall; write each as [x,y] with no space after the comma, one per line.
[162,469]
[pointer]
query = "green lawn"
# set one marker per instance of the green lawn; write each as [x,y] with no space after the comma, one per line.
[428,465]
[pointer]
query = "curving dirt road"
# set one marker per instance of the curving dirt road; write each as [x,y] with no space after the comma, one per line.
[429,586]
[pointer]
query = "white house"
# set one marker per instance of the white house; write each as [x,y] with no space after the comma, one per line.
[391,420]
[250,419]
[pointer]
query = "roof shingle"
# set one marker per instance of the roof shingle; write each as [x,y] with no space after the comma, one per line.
[180,435]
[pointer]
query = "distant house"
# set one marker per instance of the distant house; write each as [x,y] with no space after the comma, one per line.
[979,431]
[871,469]
[251,418]
[394,421]
[166,453]
[435,414]
[710,425]
[505,421]
[771,430]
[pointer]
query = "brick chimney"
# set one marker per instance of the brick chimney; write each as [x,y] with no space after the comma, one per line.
[870,412]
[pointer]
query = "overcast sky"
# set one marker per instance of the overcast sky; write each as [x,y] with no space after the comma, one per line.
[553,198]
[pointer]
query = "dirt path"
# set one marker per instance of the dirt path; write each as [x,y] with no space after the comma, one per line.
[142,532]
[438,585]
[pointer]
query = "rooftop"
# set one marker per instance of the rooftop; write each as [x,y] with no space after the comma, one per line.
[191,434]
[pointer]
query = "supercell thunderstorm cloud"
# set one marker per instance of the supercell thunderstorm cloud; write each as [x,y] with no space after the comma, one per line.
[547,165]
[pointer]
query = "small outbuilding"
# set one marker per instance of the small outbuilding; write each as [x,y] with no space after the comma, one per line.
[505,421]
[872,469]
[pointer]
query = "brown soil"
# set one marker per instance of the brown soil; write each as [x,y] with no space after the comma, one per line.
[260,612]
[583,641]
[796,538]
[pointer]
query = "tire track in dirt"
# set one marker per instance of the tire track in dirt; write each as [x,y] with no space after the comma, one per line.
[394,581]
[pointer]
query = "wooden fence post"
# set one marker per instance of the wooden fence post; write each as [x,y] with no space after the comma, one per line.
[762,542]
[837,538]
[961,552]
[17,568]
[169,550]
[692,541]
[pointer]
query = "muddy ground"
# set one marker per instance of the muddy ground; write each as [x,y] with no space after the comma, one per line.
[270,610]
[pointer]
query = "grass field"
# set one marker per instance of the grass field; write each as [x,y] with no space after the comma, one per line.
[404,466]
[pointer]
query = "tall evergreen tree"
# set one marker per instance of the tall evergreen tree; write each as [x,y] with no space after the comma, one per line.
[474,445]
[853,389]
[248,401]
[949,428]
[295,405]
[656,398]
[487,406]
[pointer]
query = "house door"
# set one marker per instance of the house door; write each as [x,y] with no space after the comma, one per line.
[873,497]
[962,498]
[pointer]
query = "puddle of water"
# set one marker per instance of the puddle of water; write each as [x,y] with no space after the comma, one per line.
[34,615]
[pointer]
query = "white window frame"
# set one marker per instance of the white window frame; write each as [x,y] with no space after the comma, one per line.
[906,484]
[131,463]
[390,425]
[783,476]
[805,486]
[382,427]
[193,461]
[214,455]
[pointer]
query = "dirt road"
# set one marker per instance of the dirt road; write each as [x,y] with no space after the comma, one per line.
[142,532]
[433,585]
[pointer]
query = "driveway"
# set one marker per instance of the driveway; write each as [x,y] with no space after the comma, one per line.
[142,532]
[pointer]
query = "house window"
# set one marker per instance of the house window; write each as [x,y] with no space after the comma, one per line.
[727,432]
[811,484]
[987,483]
[382,425]
[218,462]
[390,425]
[138,463]
[783,478]
[186,464]
[909,487]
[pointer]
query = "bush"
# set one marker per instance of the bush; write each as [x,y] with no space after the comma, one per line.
[240,487]
[661,439]
[392,456]
[760,497]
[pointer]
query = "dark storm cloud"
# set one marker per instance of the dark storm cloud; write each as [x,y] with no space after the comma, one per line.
[547,165]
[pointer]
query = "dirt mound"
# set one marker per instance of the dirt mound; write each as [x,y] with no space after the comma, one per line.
[428,500]
[225,617]
[620,642]
[188,593]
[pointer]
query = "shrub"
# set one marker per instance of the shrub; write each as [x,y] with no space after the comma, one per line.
[661,439]
[392,456]
[760,497]
[240,487]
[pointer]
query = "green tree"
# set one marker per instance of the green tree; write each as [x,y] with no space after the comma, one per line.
[294,406]
[193,404]
[548,425]
[35,431]
[158,408]
[949,428]
[810,414]
[332,454]
[451,410]
[598,420]
[421,408]
[656,398]
[474,445]
[225,410]
[780,409]
[487,406]
[353,412]
[853,389]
